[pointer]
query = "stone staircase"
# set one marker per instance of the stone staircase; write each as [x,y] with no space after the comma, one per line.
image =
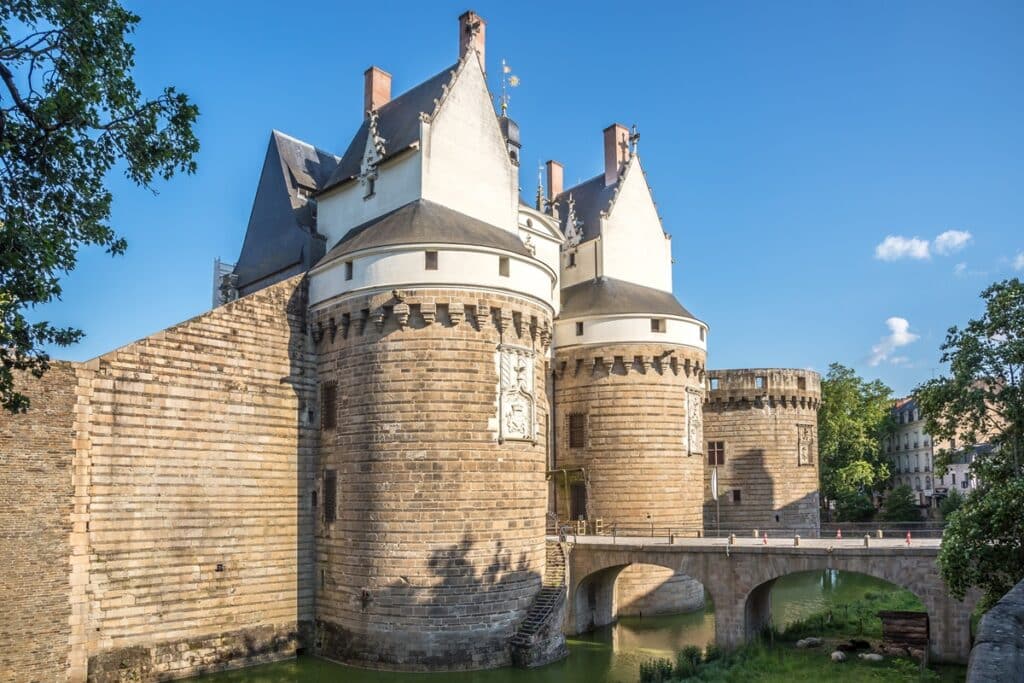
[539,639]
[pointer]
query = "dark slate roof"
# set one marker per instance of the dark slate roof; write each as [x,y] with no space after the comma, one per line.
[590,199]
[608,296]
[424,222]
[282,226]
[398,122]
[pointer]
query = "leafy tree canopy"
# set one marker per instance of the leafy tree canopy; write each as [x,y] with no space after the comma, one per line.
[69,110]
[982,400]
[951,503]
[900,506]
[853,418]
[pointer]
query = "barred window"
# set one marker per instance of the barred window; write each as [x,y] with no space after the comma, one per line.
[330,495]
[328,405]
[577,430]
[716,452]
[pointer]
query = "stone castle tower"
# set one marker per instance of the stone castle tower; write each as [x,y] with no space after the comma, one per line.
[355,452]
[629,372]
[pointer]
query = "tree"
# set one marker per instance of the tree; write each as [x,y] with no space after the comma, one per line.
[951,503]
[69,111]
[982,400]
[853,418]
[900,506]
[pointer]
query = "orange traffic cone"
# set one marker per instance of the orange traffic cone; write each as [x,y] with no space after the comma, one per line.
[766,538]
[908,538]
[839,534]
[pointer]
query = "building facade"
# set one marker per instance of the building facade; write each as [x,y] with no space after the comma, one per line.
[409,371]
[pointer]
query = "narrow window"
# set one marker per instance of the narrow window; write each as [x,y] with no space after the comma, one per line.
[759,382]
[577,430]
[716,452]
[328,405]
[578,501]
[579,329]
[348,270]
[572,259]
[371,187]
[431,260]
[330,495]
[657,324]
[503,266]
[702,333]
[736,496]
[313,499]
[714,384]
[801,383]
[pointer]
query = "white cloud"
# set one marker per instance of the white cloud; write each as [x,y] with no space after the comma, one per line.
[899,335]
[894,248]
[960,269]
[1018,263]
[952,241]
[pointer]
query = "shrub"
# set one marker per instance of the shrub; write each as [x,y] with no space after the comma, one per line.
[712,652]
[656,671]
[688,661]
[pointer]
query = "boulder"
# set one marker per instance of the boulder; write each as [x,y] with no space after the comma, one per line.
[808,642]
[838,656]
[871,657]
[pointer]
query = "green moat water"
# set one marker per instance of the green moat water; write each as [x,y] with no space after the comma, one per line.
[611,654]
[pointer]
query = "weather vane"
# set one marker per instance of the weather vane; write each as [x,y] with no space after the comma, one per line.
[508,80]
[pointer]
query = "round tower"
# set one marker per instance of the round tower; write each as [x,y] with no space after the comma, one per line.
[628,395]
[432,355]
[761,428]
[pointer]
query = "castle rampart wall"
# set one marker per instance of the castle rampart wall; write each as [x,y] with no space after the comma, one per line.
[767,421]
[36,489]
[434,548]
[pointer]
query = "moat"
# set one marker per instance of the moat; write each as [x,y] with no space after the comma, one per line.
[611,654]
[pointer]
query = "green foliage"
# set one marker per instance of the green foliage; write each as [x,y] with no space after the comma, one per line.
[69,111]
[854,506]
[853,418]
[982,400]
[900,506]
[656,671]
[951,503]
[688,661]
[856,618]
[712,652]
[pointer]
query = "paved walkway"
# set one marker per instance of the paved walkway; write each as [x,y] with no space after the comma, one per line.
[748,542]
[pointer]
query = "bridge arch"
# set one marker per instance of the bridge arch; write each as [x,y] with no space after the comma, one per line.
[742,573]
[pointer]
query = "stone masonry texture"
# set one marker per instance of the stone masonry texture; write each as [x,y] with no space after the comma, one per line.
[634,461]
[437,547]
[36,456]
[758,415]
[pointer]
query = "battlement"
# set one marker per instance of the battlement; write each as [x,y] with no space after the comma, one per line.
[764,386]
[630,359]
[382,313]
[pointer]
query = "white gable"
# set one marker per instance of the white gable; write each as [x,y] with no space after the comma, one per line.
[466,166]
[635,247]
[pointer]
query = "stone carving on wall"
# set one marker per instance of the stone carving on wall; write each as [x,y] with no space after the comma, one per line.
[573,225]
[694,422]
[516,398]
[372,154]
[805,444]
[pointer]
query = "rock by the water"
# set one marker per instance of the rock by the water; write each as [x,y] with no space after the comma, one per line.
[838,656]
[808,642]
[871,657]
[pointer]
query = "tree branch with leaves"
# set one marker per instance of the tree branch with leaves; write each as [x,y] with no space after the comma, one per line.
[69,111]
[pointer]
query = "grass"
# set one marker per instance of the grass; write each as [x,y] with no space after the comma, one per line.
[856,619]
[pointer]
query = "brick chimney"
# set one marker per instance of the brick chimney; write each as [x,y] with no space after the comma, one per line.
[376,89]
[555,174]
[616,152]
[472,28]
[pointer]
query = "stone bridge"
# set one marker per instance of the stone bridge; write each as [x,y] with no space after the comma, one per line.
[739,577]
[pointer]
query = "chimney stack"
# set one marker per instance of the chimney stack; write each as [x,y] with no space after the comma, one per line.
[376,89]
[555,173]
[472,28]
[616,152]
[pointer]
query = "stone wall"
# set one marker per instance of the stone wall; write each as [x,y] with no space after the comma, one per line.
[436,548]
[768,422]
[641,471]
[36,455]
[196,452]
[998,652]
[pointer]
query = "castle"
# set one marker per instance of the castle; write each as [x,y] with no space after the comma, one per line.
[357,454]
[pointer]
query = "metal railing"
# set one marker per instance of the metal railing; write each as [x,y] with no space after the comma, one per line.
[598,527]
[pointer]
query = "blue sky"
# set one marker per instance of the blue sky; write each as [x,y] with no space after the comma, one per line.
[784,142]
